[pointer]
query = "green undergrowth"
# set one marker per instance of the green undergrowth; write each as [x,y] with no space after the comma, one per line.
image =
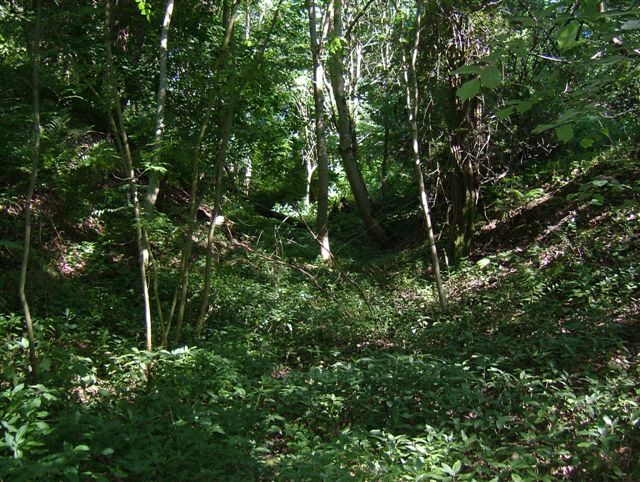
[351,372]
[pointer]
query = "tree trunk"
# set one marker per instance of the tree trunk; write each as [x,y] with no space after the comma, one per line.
[412,108]
[347,134]
[467,142]
[182,288]
[154,179]
[35,156]
[227,123]
[321,142]
[384,167]
[143,252]
[464,197]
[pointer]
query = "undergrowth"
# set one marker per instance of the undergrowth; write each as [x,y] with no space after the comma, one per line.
[350,372]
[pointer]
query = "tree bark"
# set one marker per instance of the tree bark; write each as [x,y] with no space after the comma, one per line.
[322,162]
[347,135]
[467,144]
[35,157]
[412,108]
[143,251]
[154,179]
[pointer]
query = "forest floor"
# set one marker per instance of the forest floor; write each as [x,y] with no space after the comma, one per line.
[351,372]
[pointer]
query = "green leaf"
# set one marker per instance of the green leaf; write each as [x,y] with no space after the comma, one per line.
[567,35]
[447,468]
[45,365]
[491,77]
[632,24]
[502,114]
[468,90]
[71,473]
[590,8]
[336,44]
[158,168]
[457,466]
[564,133]
[542,128]
[523,106]
[610,60]
[586,143]
[145,8]
[516,478]
[467,69]
[483,263]
[519,47]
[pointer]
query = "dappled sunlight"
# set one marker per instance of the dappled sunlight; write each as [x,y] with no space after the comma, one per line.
[319,241]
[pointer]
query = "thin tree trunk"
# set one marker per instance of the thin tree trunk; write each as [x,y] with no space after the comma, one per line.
[346,131]
[143,252]
[248,172]
[225,129]
[35,156]
[182,288]
[412,108]
[227,123]
[321,142]
[154,179]
[384,168]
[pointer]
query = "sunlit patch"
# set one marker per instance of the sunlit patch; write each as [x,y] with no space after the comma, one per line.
[74,258]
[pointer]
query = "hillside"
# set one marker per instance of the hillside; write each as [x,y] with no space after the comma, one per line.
[352,372]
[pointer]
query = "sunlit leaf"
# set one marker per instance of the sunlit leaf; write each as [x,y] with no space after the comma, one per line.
[567,36]
[483,263]
[632,24]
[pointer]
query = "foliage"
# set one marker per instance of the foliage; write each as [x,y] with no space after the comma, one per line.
[307,370]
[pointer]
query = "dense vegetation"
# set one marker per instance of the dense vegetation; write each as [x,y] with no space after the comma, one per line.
[345,240]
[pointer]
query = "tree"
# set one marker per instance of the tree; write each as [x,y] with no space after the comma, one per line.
[120,132]
[154,185]
[35,158]
[412,109]
[347,130]
[317,44]
[229,16]
[467,139]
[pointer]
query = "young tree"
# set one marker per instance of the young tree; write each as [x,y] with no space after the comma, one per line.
[413,97]
[235,84]
[347,130]
[154,180]
[317,47]
[35,157]
[229,16]
[120,132]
